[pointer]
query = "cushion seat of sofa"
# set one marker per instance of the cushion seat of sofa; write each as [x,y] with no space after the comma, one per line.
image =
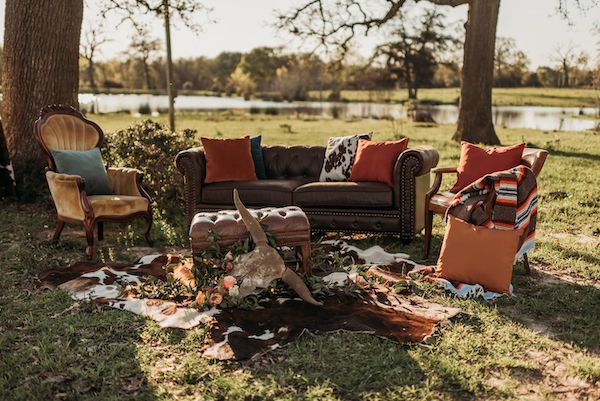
[344,194]
[117,205]
[252,193]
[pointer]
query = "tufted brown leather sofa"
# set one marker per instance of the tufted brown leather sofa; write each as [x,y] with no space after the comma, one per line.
[293,179]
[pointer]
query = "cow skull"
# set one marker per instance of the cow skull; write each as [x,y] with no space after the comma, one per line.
[255,270]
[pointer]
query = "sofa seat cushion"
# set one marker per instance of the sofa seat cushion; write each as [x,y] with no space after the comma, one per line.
[117,205]
[252,193]
[344,194]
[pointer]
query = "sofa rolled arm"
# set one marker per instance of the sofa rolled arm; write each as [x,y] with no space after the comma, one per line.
[192,165]
[411,164]
[68,195]
[126,181]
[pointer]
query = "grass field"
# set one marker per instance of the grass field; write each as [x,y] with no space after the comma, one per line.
[541,343]
[560,97]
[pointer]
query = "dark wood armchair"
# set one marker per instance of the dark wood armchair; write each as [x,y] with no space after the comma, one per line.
[438,203]
[65,128]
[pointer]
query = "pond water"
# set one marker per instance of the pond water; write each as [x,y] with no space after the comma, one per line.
[534,117]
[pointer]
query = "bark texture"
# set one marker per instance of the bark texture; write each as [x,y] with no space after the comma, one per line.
[7,182]
[41,54]
[475,122]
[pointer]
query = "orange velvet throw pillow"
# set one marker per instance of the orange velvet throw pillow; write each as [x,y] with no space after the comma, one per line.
[478,255]
[375,161]
[228,160]
[476,162]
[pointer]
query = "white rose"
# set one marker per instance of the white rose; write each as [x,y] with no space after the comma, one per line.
[234,291]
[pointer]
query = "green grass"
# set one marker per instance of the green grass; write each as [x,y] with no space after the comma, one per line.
[563,97]
[542,343]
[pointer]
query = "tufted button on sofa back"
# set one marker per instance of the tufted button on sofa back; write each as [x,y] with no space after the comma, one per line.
[294,162]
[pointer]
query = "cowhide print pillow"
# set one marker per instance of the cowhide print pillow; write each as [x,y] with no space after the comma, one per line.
[339,157]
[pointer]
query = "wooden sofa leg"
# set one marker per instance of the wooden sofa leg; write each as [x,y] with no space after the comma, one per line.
[59,227]
[428,229]
[526,264]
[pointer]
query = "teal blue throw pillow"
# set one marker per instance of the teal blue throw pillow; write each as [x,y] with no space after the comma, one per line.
[87,164]
[257,157]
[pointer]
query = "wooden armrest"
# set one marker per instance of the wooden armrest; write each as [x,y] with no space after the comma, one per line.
[437,181]
[444,170]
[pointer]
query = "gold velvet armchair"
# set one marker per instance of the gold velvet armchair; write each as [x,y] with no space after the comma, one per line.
[65,128]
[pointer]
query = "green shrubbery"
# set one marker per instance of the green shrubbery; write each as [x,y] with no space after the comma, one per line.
[151,148]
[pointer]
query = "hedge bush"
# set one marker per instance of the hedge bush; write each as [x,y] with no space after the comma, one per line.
[150,147]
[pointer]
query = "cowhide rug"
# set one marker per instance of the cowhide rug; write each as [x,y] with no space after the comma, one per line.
[242,334]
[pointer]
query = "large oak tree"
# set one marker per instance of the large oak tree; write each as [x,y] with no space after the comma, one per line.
[337,23]
[41,67]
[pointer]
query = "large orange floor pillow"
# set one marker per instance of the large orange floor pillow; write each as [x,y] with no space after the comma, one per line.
[478,255]
[375,160]
[476,162]
[228,160]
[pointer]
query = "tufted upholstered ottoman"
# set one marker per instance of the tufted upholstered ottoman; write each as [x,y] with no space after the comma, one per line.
[289,225]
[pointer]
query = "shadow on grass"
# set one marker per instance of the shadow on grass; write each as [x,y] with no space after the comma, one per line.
[352,365]
[54,348]
[555,307]
[580,155]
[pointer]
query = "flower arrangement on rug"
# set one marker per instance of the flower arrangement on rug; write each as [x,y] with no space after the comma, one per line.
[206,282]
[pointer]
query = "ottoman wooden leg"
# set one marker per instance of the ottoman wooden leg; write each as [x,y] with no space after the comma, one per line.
[305,255]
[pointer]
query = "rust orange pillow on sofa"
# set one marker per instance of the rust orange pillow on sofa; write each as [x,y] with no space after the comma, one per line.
[228,160]
[476,162]
[478,255]
[375,161]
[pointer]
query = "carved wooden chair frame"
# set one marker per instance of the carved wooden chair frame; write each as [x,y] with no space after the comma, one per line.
[532,158]
[90,221]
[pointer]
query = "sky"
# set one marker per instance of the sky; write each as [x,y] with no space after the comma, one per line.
[241,25]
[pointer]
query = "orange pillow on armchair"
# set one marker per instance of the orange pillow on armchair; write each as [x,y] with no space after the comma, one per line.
[228,160]
[478,255]
[476,162]
[375,161]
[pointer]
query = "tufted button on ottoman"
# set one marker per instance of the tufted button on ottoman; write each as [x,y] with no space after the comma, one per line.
[289,226]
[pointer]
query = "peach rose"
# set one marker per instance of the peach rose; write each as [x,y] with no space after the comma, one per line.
[228,282]
[216,298]
[201,298]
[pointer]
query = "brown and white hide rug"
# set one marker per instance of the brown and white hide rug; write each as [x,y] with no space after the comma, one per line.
[241,334]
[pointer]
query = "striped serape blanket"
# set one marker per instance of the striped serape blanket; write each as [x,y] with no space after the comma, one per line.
[514,206]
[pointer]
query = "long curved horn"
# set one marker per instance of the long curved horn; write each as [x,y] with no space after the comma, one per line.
[256,232]
[296,283]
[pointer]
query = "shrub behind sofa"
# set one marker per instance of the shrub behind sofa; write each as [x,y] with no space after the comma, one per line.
[293,179]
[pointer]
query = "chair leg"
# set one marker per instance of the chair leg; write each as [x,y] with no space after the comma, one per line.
[428,230]
[100,226]
[305,255]
[89,235]
[526,264]
[148,218]
[59,227]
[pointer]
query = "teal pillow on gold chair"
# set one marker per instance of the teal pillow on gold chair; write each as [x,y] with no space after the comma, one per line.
[88,165]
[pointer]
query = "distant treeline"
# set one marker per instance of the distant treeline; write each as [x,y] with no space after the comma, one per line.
[287,76]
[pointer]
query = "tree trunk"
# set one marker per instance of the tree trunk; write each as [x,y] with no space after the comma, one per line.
[146,74]
[41,67]
[566,82]
[170,88]
[475,111]
[7,182]
[91,75]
